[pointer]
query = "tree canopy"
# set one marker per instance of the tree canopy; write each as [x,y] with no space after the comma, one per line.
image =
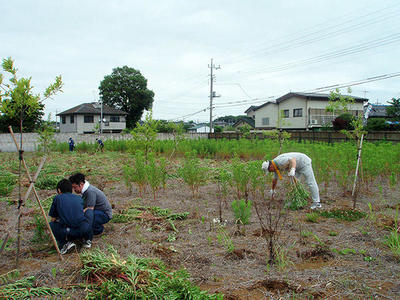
[126,89]
[393,110]
[19,106]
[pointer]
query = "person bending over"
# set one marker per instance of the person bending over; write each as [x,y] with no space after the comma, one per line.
[95,204]
[298,164]
[68,221]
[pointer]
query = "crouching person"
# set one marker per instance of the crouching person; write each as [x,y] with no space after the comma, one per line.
[96,205]
[68,221]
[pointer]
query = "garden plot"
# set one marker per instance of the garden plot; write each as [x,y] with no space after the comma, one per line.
[336,252]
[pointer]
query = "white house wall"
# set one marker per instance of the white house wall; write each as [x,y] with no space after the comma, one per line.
[291,104]
[68,126]
[268,111]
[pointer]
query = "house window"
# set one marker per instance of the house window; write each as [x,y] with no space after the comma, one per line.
[297,112]
[114,119]
[71,119]
[63,119]
[88,119]
[286,113]
[265,121]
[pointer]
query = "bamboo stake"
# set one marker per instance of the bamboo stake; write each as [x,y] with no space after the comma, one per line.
[4,243]
[37,197]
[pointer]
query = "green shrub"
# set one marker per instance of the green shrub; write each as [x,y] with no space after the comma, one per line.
[40,231]
[242,211]
[193,174]
[343,122]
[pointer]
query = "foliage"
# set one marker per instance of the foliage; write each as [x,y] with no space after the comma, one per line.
[225,240]
[377,124]
[136,173]
[279,135]
[297,196]
[343,214]
[144,135]
[343,122]
[193,174]
[136,278]
[312,217]
[18,103]
[156,173]
[339,102]
[40,234]
[393,111]
[48,181]
[126,89]
[245,130]
[46,136]
[240,177]
[242,211]
[134,213]
[393,239]
[7,182]
[26,288]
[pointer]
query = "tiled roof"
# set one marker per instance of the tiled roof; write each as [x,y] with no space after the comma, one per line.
[315,96]
[247,120]
[92,108]
[378,111]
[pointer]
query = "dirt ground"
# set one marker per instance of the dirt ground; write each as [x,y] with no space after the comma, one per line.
[328,259]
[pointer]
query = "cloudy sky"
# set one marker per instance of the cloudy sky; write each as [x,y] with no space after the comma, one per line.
[265,49]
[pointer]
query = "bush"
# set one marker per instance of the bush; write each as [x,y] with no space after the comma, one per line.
[377,124]
[343,122]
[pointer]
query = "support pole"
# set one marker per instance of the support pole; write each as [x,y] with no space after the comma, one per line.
[37,196]
[358,164]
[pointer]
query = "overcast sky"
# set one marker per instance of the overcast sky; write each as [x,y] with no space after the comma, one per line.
[264,48]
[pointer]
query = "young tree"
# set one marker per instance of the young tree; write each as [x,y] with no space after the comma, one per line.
[126,89]
[18,103]
[145,135]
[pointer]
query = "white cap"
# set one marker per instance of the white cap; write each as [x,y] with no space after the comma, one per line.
[265,166]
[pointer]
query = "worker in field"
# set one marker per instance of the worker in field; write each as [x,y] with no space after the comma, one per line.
[95,204]
[297,164]
[68,221]
[101,144]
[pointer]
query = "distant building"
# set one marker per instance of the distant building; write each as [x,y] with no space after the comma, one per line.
[299,111]
[85,118]
[378,111]
[200,128]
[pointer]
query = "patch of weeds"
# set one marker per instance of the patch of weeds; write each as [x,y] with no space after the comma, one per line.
[282,260]
[225,240]
[113,277]
[242,211]
[393,239]
[333,233]
[7,182]
[347,251]
[40,234]
[306,233]
[48,182]
[343,214]
[171,237]
[312,217]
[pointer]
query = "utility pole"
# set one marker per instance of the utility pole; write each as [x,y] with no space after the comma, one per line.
[212,93]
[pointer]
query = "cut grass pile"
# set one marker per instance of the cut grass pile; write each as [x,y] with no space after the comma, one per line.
[137,212]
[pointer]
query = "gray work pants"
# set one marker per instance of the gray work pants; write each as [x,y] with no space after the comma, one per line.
[308,173]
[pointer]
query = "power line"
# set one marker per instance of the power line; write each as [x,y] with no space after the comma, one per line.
[314,36]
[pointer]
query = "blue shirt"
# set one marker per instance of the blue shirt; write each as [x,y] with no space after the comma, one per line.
[68,209]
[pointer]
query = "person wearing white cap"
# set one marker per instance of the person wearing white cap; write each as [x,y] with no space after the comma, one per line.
[298,164]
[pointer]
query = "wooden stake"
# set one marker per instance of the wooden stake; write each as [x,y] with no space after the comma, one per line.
[37,196]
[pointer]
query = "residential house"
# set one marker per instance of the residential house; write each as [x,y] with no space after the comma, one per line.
[244,121]
[85,118]
[300,111]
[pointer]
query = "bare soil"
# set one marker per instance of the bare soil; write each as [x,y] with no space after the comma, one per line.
[314,269]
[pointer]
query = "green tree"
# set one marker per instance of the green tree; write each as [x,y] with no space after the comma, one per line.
[126,89]
[19,106]
[393,111]
[144,135]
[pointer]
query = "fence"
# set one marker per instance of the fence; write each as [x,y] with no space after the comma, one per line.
[314,136]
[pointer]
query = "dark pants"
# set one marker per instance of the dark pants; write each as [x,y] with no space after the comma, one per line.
[63,233]
[97,218]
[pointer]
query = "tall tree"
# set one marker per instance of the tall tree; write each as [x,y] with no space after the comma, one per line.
[126,89]
[393,110]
